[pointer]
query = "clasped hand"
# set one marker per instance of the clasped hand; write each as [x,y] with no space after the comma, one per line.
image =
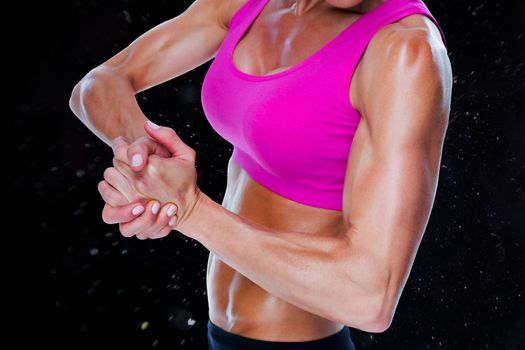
[151,188]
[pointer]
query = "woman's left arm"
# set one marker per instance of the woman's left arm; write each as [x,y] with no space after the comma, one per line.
[356,278]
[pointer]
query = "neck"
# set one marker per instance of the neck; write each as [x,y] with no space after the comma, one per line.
[300,7]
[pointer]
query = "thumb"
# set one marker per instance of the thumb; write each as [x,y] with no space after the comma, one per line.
[168,138]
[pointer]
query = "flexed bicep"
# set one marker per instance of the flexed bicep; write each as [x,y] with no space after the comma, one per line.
[393,167]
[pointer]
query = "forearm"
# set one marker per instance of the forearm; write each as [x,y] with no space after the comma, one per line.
[313,272]
[105,102]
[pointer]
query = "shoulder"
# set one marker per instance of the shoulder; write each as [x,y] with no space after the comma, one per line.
[414,32]
[230,8]
[409,52]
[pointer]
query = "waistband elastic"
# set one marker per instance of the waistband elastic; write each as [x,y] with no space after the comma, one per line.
[226,340]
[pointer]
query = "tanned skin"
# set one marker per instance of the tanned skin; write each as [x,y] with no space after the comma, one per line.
[279,270]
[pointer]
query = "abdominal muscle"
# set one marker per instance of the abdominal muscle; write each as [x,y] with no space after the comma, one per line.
[238,305]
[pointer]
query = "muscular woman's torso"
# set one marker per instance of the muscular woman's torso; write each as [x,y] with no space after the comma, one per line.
[236,303]
[242,307]
[276,41]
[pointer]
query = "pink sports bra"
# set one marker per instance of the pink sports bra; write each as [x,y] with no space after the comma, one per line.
[292,130]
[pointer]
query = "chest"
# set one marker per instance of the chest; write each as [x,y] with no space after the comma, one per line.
[288,115]
[279,40]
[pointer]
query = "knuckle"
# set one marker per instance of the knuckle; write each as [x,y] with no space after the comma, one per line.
[150,219]
[120,155]
[153,233]
[101,187]
[140,145]
[120,146]
[108,172]
[118,141]
[150,232]
[163,220]
[107,194]
[137,146]
[146,221]
[157,227]
[112,198]
[120,152]
[164,232]
[120,164]
[153,170]
[106,217]
[154,159]
[142,185]
[125,231]
[148,142]
[169,132]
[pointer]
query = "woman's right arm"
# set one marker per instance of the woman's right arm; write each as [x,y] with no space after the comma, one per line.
[104,100]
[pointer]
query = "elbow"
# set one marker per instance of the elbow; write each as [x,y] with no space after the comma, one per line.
[371,320]
[381,313]
[85,91]
[368,296]
[380,321]
[74,100]
[374,320]
[369,309]
[78,93]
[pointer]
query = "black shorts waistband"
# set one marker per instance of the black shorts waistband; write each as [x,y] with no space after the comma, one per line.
[220,339]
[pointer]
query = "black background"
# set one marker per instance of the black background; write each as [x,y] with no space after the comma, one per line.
[79,283]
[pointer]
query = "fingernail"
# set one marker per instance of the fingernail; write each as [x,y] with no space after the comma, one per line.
[173,220]
[171,209]
[153,125]
[136,160]
[137,210]
[155,208]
